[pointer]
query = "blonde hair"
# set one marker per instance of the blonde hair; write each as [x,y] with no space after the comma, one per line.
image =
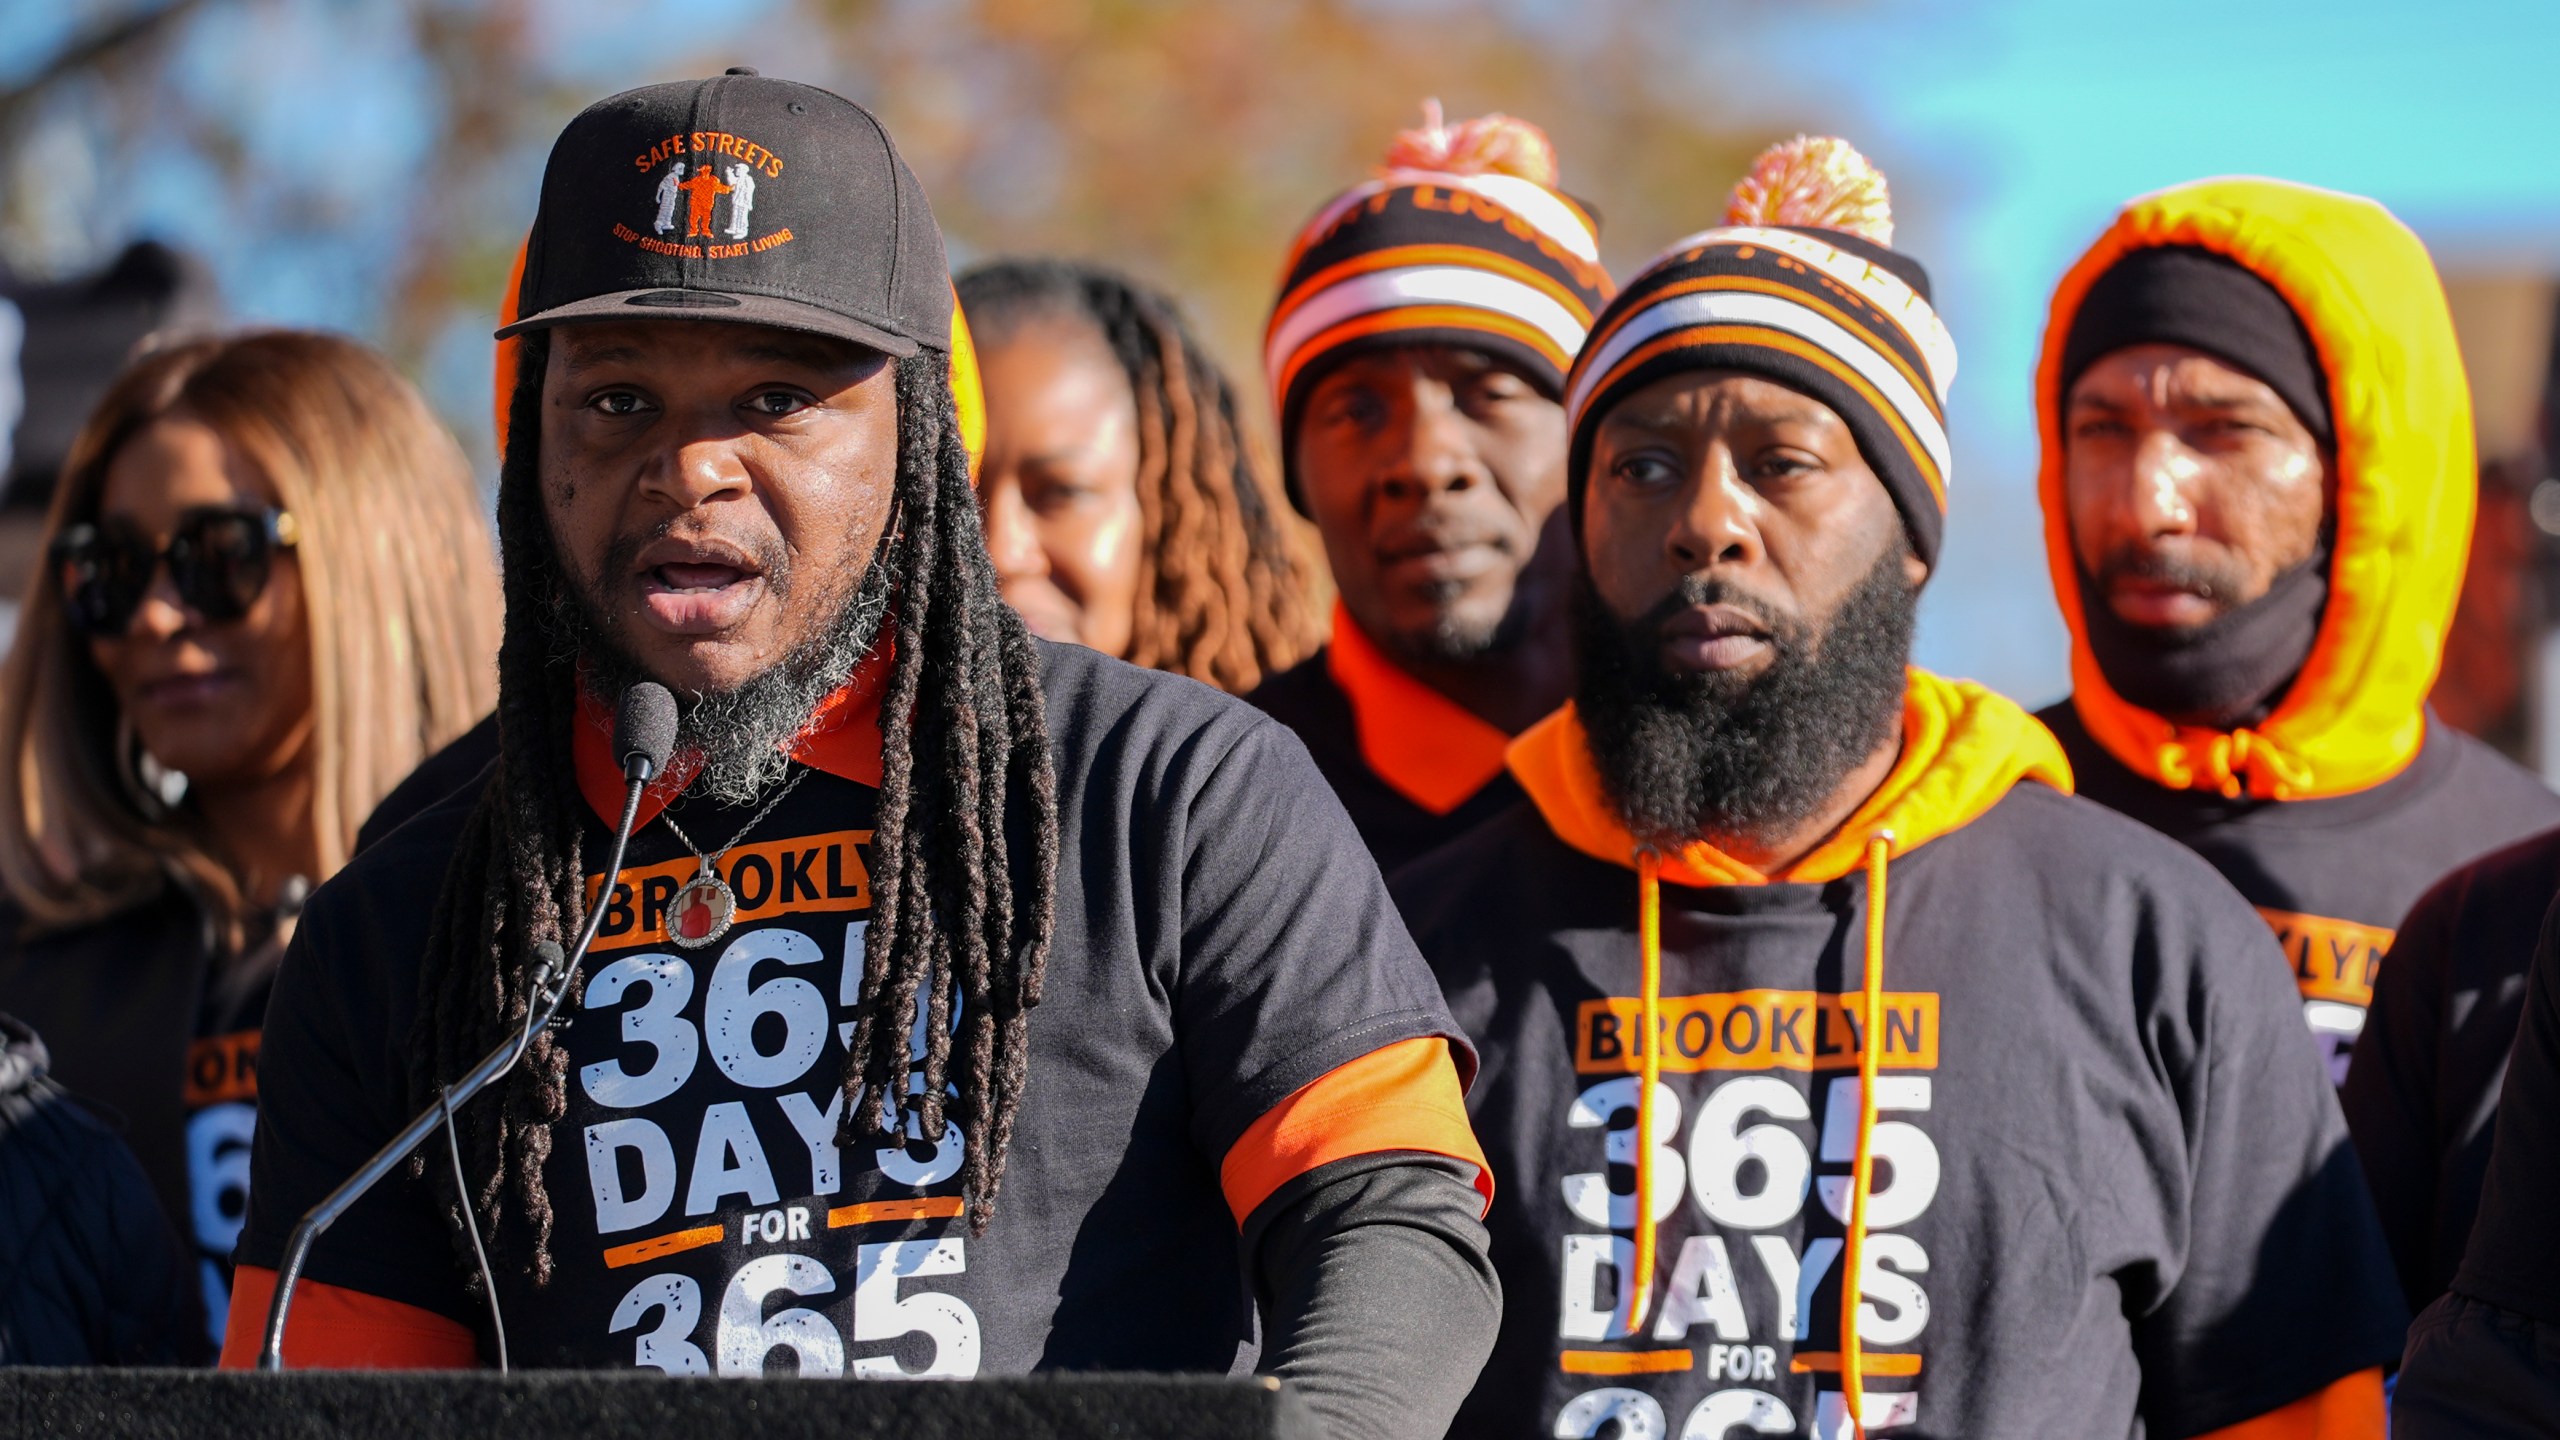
[400,597]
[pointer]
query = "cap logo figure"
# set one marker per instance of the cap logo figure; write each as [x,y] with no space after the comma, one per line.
[699,186]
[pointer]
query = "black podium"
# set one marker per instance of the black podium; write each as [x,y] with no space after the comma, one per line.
[358,1405]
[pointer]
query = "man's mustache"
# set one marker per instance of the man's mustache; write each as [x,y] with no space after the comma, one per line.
[1694,591]
[1427,534]
[2180,571]
[772,557]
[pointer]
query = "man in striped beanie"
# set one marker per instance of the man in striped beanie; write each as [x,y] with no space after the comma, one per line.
[1417,357]
[2032,1148]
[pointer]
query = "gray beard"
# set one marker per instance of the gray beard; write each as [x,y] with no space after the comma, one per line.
[741,737]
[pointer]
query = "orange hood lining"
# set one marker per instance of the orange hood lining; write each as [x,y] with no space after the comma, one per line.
[1963,747]
[1424,745]
[2407,483]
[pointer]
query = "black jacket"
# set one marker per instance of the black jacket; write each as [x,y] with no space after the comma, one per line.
[2422,1097]
[456,766]
[90,1273]
[139,1017]
[1397,831]
[2484,1360]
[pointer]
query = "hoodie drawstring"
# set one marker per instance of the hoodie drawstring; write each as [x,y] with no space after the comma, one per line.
[1862,1170]
[1648,1075]
[2239,763]
[1853,1381]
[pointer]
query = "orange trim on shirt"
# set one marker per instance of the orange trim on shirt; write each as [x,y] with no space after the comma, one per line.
[1427,747]
[2348,1409]
[1404,1096]
[334,1328]
[842,738]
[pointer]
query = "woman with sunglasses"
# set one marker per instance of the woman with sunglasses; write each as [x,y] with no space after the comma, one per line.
[269,592]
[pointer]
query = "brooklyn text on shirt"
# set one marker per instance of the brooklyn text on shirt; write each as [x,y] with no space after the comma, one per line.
[1745,1151]
[2334,965]
[809,874]
[719,1199]
[1753,1030]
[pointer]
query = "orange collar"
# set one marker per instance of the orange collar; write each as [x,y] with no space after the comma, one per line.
[1962,749]
[841,738]
[1427,747]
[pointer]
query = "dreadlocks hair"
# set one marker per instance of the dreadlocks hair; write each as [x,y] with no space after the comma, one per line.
[965,847]
[1225,586]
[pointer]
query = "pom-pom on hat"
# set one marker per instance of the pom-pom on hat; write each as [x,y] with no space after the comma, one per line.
[1799,285]
[1817,182]
[1461,238]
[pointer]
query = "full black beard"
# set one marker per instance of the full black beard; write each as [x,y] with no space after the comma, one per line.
[742,737]
[1724,757]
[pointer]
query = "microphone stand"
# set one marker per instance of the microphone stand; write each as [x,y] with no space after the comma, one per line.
[550,987]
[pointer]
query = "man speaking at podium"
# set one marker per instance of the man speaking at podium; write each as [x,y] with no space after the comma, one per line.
[967,1004]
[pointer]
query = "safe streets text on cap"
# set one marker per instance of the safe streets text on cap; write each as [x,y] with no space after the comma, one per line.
[736,198]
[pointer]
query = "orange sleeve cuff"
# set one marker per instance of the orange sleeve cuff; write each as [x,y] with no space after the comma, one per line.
[339,1329]
[2349,1409]
[1404,1096]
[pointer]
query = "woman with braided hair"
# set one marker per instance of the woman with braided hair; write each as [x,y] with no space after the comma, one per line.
[965,1003]
[1125,505]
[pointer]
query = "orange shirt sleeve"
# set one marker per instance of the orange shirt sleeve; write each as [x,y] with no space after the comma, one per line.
[333,1328]
[1404,1096]
[2349,1409]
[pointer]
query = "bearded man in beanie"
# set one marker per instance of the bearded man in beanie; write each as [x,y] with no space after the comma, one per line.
[2258,487]
[967,1005]
[1844,1073]
[1417,358]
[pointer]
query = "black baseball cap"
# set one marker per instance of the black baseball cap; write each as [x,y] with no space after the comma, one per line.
[736,198]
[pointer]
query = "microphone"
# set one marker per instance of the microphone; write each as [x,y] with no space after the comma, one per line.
[644,734]
[644,731]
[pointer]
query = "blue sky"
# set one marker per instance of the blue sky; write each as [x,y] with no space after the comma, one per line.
[2011,130]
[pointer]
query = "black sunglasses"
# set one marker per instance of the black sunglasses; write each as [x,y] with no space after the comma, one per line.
[219,560]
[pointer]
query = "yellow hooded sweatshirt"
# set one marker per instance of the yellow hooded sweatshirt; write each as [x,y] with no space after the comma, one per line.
[2334,813]
[2365,289]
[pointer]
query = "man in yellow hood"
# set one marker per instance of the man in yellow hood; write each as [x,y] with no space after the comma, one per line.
[2258,487]
[2031,1149]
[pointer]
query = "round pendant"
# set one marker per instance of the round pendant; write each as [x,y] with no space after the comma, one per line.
[701,911]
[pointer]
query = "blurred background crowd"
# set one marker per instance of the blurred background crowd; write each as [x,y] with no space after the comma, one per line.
[367,166]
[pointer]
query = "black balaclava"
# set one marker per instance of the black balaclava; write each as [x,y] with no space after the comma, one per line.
[2231,671]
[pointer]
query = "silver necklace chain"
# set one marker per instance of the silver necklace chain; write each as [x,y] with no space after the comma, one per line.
[710,857]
